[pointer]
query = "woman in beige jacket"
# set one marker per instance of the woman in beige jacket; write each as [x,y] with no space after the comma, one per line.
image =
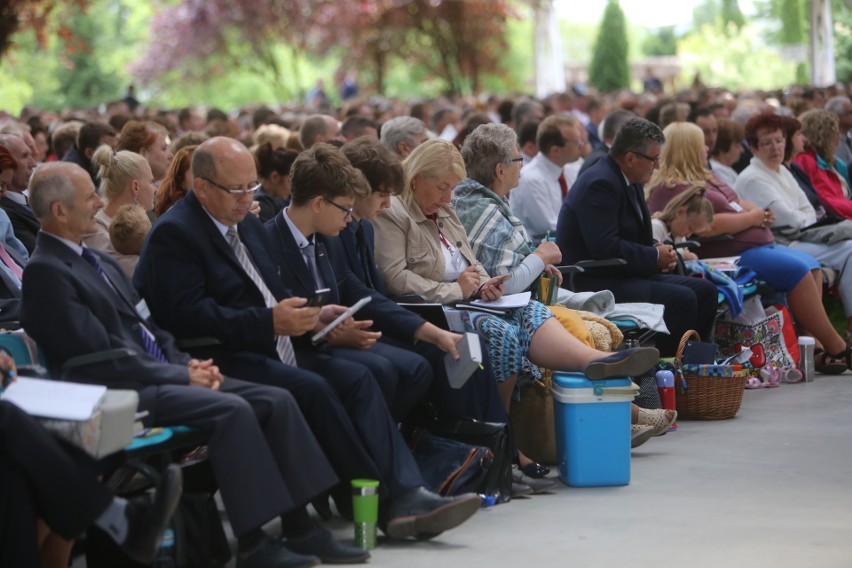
[422,248]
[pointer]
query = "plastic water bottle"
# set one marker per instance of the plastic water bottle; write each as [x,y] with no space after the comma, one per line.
[166,553]
[666,388]
[806,357]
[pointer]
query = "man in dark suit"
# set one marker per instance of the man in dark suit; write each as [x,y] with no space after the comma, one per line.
[44,478]
[14,202]
[206,274]
[605,216]
[324,186]
[91,136]
[265,458]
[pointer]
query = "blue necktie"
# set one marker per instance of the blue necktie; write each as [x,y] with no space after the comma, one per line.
[148,339]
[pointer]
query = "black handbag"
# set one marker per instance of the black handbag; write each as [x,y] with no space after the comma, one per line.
[450,467]
[495,436]
[198,539]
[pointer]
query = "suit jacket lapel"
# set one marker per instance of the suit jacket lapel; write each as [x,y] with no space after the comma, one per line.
[326,271]
[213,234]
[89,275]
[292,255]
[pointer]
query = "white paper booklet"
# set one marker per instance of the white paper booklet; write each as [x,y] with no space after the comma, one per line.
[55,399]
[506,302]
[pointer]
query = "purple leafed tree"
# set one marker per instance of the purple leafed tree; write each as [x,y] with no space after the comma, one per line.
[458,40]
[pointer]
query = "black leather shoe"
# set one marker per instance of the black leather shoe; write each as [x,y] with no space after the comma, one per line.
[271,553]
[627,363]
[536,485]
[420,513]
[147,516]
[534,470]
[321,544]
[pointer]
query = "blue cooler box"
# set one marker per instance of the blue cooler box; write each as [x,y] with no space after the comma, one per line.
[592,429]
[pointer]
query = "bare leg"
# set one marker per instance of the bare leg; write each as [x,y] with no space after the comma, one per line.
[554,348]
[506,388]
[55,551]
[806,305]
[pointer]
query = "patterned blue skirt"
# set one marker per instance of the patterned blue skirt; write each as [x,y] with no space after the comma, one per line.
[509,339]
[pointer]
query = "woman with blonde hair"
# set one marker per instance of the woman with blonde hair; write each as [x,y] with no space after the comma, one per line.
[423,249]
[689,213]
[682,165]
[126,179]
[829,175]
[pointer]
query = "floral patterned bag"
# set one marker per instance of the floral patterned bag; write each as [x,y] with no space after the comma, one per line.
[765,338]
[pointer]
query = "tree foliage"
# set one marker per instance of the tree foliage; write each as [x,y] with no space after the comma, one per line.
[842,17]
[725,14]
[742,61]
[78,59]
[660,43]
[22,15]
[457,40]
[609,70]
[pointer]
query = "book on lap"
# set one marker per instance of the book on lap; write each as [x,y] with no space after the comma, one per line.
[470,359]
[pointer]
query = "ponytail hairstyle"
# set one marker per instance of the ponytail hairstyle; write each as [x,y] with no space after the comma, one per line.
[117,170]
[694,203]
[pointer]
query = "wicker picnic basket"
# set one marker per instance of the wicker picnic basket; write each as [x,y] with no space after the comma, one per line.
[702,394]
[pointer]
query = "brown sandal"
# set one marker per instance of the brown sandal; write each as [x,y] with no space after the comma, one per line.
[832,364]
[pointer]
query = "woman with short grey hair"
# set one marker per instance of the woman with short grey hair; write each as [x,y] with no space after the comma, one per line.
[493,144]
[499,240]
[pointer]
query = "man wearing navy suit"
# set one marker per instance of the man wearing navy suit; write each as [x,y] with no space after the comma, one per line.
[605,216]
[321,205]
[77,301]
[206,274]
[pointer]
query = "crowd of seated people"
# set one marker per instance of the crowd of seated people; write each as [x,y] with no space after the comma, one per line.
[145,229]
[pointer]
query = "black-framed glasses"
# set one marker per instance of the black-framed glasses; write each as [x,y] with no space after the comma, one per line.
[234,191]
[518,159]
[347,210]
[647,157]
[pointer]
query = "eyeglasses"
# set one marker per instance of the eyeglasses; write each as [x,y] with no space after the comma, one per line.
[347,210]
[656,159]
[771,142]
[234,191]
[518,159]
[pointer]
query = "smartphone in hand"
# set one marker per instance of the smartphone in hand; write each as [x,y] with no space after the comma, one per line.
[319,298]
[496,281]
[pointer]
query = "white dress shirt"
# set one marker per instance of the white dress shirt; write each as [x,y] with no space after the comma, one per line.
[537,199]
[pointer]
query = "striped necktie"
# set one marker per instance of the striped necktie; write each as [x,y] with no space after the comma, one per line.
[148,339]
[282,342]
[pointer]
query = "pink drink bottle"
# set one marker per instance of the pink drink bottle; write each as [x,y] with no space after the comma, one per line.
[666,388]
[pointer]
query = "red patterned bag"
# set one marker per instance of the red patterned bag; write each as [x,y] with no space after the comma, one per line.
[788,330]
